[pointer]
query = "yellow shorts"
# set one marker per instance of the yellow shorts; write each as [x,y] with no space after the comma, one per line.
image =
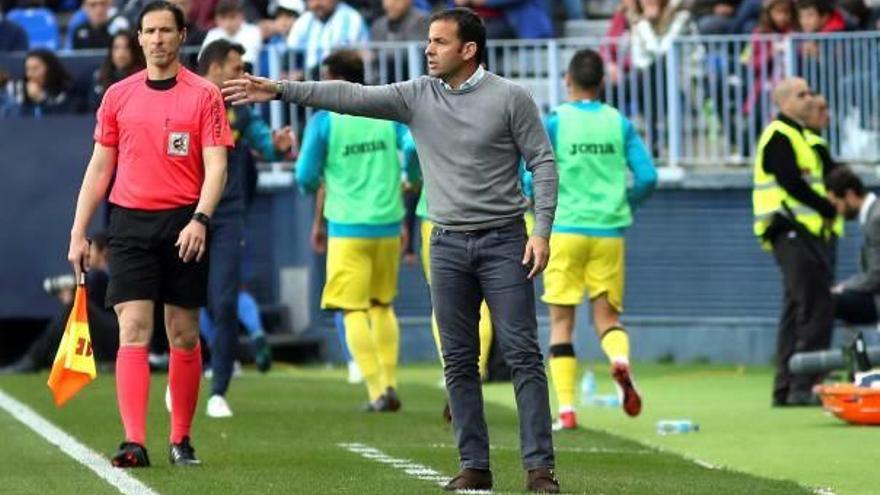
[425,250]
[361,272]
[581,263]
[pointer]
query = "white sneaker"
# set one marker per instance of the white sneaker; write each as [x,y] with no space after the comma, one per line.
[218,407]
[354,373]
[168,397]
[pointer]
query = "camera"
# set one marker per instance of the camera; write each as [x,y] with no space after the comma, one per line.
[56,284]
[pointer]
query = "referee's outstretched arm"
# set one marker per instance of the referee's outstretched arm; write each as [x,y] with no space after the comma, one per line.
[91,194]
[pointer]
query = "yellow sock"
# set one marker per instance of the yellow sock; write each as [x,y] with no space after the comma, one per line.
[360,344]
[615,343]
[435,329]
[386,340]
[563,371]
[485,330]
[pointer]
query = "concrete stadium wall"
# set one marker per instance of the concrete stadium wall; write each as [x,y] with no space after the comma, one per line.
[698,286]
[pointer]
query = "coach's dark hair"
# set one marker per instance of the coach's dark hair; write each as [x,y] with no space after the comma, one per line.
[346,65]
[216,53]
[586,69]
[843,179]
[470,27]
[160,5]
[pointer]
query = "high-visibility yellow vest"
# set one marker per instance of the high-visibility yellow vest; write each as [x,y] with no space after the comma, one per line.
[816,140]
[768,196]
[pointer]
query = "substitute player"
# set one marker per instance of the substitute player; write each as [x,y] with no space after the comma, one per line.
[595,146]
[357,158]
[164,132]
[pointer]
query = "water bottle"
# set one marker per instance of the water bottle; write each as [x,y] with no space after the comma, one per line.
[676,426]
[588,388]
[606,400]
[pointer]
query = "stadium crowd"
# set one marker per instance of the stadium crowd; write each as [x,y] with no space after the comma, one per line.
[49,30]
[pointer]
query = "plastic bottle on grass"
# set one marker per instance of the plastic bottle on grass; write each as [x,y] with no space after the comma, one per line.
[676,426]
[588,388]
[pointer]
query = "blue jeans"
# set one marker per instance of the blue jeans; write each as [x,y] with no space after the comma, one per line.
[224,278]
[465,268]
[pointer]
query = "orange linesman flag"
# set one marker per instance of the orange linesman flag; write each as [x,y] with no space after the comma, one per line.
[74,365]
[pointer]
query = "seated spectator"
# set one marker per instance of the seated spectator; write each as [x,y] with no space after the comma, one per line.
[231,26]
[327,24]
[99,27]
[13,38]
[820,16]
[659,23]
[47,87]
[505,19]
[401,22]
[124,58]
[277,29]
[103,327]
[777,18]
[715,16]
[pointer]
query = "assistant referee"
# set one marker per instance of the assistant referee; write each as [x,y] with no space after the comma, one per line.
[164,131]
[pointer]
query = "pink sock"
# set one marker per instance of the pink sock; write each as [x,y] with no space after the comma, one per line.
[184,377]
[133,390]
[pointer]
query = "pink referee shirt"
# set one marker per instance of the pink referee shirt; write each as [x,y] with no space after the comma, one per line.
[159,136]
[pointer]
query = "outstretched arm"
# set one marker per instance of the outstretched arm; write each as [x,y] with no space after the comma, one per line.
[390,102]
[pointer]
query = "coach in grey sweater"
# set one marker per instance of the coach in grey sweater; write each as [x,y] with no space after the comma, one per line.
[471,127]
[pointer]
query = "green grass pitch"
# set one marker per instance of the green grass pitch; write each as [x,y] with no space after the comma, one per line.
[288,426]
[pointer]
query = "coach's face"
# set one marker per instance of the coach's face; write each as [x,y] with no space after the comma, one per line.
[446,53]
[160,38]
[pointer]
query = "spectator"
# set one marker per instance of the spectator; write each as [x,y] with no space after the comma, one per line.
[286,12]
[716,16]
[327,24]
[524,19]
[8,105]
[777,18]
[401,22]
[231,26]
[820,16]
[195,36]
[103,326]
[124,58]
[626,14]
[99,27]
[46,89]
[13,38]
[659,23]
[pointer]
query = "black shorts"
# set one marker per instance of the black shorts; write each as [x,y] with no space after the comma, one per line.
[144,262]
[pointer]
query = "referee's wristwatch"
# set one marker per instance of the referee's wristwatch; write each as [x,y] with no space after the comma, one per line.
[202,219]
[279,90]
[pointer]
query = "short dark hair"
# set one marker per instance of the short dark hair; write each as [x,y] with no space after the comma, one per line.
[226,7]
[160,5]
[346,65]
[843,179]
[586,69]
[824,7]
[216,53]
[470,27]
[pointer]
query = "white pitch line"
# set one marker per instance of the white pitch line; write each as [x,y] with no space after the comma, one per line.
[116,477]
[412,469]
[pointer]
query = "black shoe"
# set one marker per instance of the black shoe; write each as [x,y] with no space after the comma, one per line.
[802,399]
[392,400]
[262,354]
[387,402]
[183,454]
[470,479]
[130,455]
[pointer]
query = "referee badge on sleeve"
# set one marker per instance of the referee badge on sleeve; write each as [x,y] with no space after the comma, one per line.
[178,143]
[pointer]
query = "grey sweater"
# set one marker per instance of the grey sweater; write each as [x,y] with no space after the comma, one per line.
[469,144]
